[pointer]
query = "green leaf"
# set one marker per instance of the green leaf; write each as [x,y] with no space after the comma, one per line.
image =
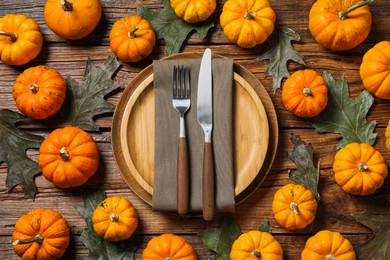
[21,169]
[220,240]
[100,249]
[265,227]
[86,100]
[344,115]
[306,173]
[171,28]
[378,247]
[279,51]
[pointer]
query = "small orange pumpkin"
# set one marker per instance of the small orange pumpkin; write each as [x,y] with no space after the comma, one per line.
[21,39]
[72,19]
[294,206]
[41,234]
[115,219]
[256,245]
[340,25]
[39,92]
[375,70]
[246,22]
[305,93]
[68,157]
[132,38]
[359,169]
[193,11]
[328,245]
[168,246]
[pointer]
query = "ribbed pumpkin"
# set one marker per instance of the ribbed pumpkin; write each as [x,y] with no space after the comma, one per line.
[68,157]
[340,25]
[39,92]
[132,38]
[256,245]
[359,169]
[294,206]
[247,22]
[375,70]
[328,245]
[41,234]
[21,39]
[305,93]
[115,219]
[72,19]
[168,247]
[193,11]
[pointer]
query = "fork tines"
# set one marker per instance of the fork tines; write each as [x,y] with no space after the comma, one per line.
[181,85]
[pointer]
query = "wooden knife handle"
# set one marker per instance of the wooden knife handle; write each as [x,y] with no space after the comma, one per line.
[182,177]
[208,187]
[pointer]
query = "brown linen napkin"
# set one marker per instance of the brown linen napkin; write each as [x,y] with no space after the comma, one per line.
[167,134]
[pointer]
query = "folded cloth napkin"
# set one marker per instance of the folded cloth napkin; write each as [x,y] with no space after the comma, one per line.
[167,136]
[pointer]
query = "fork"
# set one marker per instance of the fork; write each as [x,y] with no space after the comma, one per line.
[181,101]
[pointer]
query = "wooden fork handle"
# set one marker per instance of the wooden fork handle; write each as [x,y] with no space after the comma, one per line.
[208,187]
[182,177]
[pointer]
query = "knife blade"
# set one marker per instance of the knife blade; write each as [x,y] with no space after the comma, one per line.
[205,119]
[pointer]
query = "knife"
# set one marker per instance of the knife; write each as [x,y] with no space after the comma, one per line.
[205,119]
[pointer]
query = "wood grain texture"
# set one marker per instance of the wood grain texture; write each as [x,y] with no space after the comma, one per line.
[69,58]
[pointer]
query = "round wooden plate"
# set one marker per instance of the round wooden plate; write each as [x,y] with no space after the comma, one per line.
[255,132]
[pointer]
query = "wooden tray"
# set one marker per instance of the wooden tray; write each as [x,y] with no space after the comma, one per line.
[255,132]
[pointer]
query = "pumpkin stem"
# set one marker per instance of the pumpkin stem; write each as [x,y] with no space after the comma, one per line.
[344,14]
[330,257]
[33,88]
[67,6]
[12,36]
[64,154]
[362,167]
[168,258]
[114,217]
[294,207]
[131,34]
[250,15]
[38,238]
[307,92]
[256,253]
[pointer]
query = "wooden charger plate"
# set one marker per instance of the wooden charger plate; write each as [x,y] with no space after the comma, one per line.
[255,132]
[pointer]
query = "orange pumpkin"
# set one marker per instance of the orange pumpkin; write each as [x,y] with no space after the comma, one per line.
[256,245]
[359,169]
[115,219]
[132,38]
[246,22]
[168,246]
[39,92]
[294,206]
[193,11]
[328,245]
[305,93]
[21,39]
[375,70]
[68,157]
[340,24]
[41,234]
[72,19]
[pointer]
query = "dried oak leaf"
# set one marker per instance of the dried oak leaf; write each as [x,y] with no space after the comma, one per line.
[14,143]
[279,51]
[378,247]
[344,115]
[220,240]
[171,28]
[306,173]
[100,249]
[86,100]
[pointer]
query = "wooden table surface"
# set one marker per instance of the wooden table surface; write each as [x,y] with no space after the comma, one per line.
[69,58]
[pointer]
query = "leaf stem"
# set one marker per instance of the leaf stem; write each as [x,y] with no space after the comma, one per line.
[344,14]
[12,36]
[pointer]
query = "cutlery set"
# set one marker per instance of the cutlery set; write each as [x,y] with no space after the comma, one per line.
[181,101]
